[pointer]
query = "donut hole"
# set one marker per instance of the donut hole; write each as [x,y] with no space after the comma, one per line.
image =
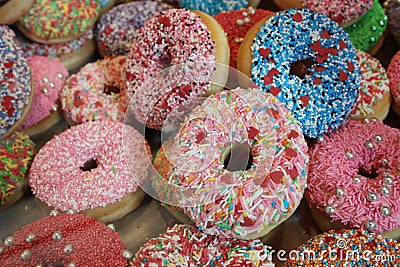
[301,68]
[369,173]
[111,89]
[89,165]
[237,157]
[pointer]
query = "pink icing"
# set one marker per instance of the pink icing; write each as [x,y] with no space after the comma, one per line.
[335,162]
[56,177]
[374,84]
[393,72]
[83,97]
[49,76]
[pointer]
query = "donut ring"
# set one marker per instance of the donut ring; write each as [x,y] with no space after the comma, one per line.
[342,188]
[117,28]
[215,196]
[193,38]
[392,10]
[213,7]
[106,192]
[16,154]
[184,245]
[15,83]
[393,72]
[96,92]
[64,239]
[346,248]
[322,93]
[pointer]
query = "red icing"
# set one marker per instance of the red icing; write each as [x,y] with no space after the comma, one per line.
[304,99]
[325,34]
[264,52]
[276,176]
[298,17]
[343,76]
[274,90]
[252,132]
[317,81]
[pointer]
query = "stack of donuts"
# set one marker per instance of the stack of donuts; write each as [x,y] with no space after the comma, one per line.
[234,118]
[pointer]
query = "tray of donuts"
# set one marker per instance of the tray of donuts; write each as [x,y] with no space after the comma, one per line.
[199,133]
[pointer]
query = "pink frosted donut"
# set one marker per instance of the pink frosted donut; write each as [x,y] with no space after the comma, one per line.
[373,100]
[96,92]
[354,176]
[228,199]
[184,245]
[393,72]
[49,76]
[64,240]
[173,37]
[83,169]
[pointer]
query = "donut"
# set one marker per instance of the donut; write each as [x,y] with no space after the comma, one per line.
[285,4]
[392,10]
[369,32]
[49,76]
[73,54]
[353,178]
[64,240]
[12,10]
[96,92]
[184,245]
[82,169]
[117,28]
[181,37]
[393,73]
[58,21]
[352,247]
[236,24]
[15,83]
[213,7]
[308,62]
[206,172]
[374,98]
[16,155]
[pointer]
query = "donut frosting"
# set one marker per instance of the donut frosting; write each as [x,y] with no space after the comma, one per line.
[49,76]
[352,247]
[171,38]
[373,86]
[341,11]
[184,245]
[393,72]
[236,23]
[243,202]
[16,154]
[49,19]
[365,33]
[392,9]
[213,7]
[117,28]
[340,172]
[83,97]
[57,179]
[15,80]
[64,239]
[323,98]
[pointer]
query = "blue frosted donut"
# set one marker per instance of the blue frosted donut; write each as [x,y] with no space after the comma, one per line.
[213,7]
[308,62]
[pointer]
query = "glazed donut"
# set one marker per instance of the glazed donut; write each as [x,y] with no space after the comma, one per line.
[205,172]
[184,245]
[213,7]
[393,72]
[374,98]
[12,10]
[58,21]
[392,10]
[353,178]
[64,240]
[81,169]
[369,32]
[117,28]
[236,24]
[346,248]
[16,154]
[181,37]
[16,93]
[49,76]
[306,61]
[73,53]
[96,92]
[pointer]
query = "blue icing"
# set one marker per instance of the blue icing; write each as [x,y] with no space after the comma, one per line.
[213,7]
[289,41]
